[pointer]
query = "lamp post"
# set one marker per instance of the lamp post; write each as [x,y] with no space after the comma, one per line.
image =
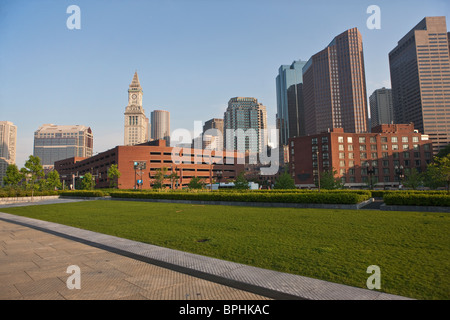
[219,176]
[400,174]
[318,169]
[370,172]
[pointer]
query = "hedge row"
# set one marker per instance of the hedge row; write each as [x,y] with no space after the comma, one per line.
[417,199]
[83,193]
[381,193]
[11,193]
[315,198]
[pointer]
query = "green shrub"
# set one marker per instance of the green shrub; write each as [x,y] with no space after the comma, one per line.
[83,193]
[417,199]
[13,193]
[274,197]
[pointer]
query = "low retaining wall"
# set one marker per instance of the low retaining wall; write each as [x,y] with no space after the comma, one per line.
[10,200]
[414,208]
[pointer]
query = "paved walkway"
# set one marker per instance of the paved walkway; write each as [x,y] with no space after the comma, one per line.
[35,255]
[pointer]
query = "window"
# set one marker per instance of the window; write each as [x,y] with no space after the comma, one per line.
[341,147]
[325,147]
[351,155]
[384,139]
[362,147]
[341,155]
[406,155]
[416,154]
[362,139]
[385,155]
[395,155]
[342,163]
[363,155]
[325,156]
[373,147]
[374,155]
[415,139]
[314,140]
[384,147]
[386,171]
[349,139]
[315,149]
[405,139]
[350,147]
[341,139]
[415,147]
[405,147]
[395,147]
[324,139]
[385,163]
[351,163]
[418,163]
[373,140]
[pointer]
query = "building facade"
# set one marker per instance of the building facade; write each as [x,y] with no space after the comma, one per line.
[56,142]
[334,86]
[381,107]
[420,77]
[363,159]
[290,116]
[8,142]
[213,134]
[152,156]
[136,124]
[245,125]
[160,125]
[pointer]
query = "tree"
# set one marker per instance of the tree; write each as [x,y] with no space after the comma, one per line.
[196,183]
[439,171]
[284,181]
[413,180]
[160,176]
[241,183]
[53,181]
[114,175]
[328,181]
[173,178]
[87,183]
[12,176]
[32,171]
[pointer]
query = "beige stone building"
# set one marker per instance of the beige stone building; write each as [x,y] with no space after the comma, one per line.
[137,126]
[8,141]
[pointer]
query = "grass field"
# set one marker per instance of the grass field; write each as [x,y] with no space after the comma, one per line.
[412,249]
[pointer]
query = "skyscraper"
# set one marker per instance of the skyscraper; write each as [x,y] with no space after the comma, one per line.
[245,125]
[334,86]
[136,123]
[420,77]
[160,125]
[290,118]
[381,109]
[213,129]
[54,142]
[8,141]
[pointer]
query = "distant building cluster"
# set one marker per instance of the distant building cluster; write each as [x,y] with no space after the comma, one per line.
[324,119]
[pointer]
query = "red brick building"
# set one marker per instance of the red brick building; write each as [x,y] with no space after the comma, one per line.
[153,155]
[380,158]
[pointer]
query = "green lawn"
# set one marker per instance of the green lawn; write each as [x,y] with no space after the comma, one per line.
[412,249]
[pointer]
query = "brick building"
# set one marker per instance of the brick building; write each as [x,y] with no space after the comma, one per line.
[360,159]
[154,155]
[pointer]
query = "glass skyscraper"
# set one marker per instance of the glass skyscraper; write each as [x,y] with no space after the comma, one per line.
[290,119]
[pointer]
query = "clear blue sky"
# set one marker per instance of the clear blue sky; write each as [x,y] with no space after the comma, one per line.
[192,56]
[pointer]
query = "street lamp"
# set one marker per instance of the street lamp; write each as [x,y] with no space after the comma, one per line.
[318,170]
[370,172]
[400,174]
[219,176]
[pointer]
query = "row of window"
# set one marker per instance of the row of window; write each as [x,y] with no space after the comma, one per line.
[393,139]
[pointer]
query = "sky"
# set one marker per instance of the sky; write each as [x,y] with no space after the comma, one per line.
[191,56]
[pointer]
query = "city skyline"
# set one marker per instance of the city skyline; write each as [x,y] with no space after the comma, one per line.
[68,77]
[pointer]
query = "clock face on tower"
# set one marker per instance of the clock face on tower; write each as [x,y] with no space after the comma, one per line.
[134,96]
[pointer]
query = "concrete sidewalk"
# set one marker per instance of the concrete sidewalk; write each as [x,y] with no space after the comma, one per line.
[35,255]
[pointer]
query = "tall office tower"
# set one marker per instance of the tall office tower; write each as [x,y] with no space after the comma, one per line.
[136,123]
[8,141]
[420,77]
[334,86]
[160,122]
[53,143]
[213,134]
[290,118]
[245,125]
[381,108]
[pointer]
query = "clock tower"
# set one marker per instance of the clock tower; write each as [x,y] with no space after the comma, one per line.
[136,123]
